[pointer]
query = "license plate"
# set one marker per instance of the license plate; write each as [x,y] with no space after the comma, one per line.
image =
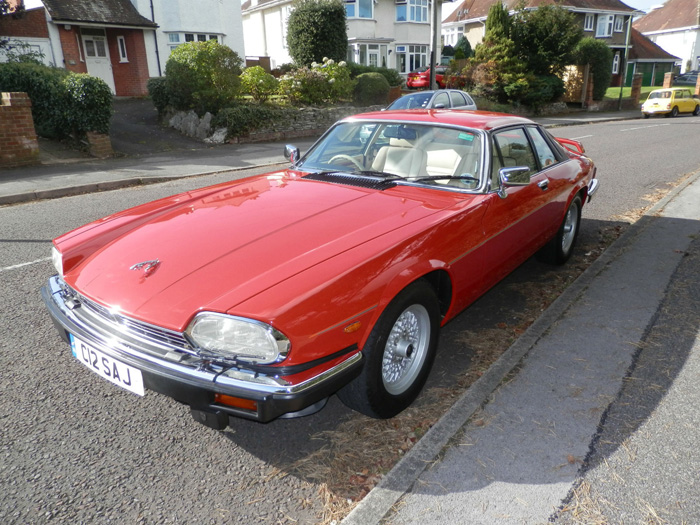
[119,373]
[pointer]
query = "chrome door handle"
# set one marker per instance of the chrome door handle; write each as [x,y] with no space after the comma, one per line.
[543,184]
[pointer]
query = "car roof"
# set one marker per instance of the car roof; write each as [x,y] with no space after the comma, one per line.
[485,120]
[684,88]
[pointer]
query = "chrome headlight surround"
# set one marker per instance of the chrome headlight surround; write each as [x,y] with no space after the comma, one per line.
[57,260]
[236,339]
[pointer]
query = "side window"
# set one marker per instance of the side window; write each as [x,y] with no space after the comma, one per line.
[544,152]
[443,99]
[513,149]
[457,99]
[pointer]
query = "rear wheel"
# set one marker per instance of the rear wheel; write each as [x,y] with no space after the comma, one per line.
[696,111]
[674,112]
[560,248]
[399,354]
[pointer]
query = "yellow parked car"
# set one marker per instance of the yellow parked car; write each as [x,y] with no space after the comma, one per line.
[670,102]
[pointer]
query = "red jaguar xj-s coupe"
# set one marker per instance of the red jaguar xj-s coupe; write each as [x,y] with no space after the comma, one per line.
[262,297]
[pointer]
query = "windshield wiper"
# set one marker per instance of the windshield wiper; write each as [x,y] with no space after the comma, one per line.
[367,173]
[464,178]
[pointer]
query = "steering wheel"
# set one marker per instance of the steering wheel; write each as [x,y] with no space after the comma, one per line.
[342,156]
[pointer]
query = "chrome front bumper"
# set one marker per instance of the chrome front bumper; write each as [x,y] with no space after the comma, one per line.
[592,188]
[168,367]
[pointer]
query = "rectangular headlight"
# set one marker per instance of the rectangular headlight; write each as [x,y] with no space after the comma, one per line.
[235,338]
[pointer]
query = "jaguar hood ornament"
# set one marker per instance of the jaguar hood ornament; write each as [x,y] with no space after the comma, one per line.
[147,266]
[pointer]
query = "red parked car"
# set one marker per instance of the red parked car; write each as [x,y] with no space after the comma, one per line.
[420,78]
[262,297]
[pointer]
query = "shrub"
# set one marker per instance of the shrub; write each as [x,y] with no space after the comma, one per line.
[543,89]
[158,90]
[371,88]
[89,103]
[62,102]
[44,86]
[317,29]
[260,84]
[204,76]
[244,118]
[392,76]
[326,82]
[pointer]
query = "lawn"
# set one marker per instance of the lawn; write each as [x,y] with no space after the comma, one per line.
[613,93]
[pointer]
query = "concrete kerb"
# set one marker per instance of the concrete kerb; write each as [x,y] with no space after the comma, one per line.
[401,478]
[70,191]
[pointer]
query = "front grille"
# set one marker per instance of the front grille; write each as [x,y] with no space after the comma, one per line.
[352,180]
[158,340]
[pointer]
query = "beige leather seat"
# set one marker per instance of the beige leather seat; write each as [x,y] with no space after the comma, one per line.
[400,157]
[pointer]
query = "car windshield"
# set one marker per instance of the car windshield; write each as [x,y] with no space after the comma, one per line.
[413,152]
[419,100]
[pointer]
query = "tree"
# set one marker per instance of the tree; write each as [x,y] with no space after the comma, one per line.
[545,38]
[10,9]
[316,30]
[464,47]
[597,54]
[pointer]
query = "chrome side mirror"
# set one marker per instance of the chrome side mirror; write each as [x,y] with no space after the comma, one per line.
[291,153]
[516,176]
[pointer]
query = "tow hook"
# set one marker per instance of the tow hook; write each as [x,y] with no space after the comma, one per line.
[217,420]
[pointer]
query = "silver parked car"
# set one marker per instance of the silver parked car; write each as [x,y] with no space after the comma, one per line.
[437,99]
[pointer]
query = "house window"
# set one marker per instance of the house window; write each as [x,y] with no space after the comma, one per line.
[358,8]
[412,11]
[605,26]
[589,22]
[121,43]
[409,58]
[201,38]
[619,23]
[214,38]
[616,64]
[175,39]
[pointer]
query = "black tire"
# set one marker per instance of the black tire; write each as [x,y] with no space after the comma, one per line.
[646,115]
[398,355]
[696,111]
[674,112]
[560,248]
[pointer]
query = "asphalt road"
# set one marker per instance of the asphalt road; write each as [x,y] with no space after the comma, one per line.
[75,449]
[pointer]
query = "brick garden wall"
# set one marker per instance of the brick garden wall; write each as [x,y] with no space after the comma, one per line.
[18,142]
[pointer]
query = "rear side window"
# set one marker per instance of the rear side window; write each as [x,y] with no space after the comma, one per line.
[544,152]
[512,148]
[457,99]
[443,99]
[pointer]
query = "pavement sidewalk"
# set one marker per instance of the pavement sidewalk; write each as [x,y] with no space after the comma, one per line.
[65,175]
[594,409]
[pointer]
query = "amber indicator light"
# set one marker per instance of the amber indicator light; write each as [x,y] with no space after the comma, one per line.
[237,402]
[354,327]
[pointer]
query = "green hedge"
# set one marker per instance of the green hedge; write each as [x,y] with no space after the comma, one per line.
[392,76]
[62,102]
[371,88]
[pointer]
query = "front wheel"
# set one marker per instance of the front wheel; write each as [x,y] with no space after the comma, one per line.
[560,248]
[696,111]
[399,354]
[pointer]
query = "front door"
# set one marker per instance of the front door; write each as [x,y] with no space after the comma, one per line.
[97,57]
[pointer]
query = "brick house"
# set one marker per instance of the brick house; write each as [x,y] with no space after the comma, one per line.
[123,42]
[607,20]
[675,27]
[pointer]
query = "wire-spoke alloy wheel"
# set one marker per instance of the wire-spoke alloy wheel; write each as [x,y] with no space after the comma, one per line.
[560,248]
[398,354]
[406,349]
[570,228]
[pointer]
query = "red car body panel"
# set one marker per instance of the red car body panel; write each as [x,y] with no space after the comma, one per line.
[317,261]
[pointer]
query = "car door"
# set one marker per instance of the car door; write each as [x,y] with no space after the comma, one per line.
[520,218]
